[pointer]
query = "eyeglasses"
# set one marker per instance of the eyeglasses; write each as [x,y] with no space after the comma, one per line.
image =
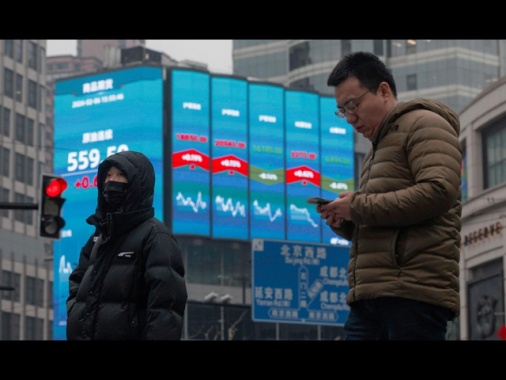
[350,107]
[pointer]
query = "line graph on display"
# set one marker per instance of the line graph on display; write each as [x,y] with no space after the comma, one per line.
[302,214]
[228,206]
[64,266]
[188,201]
[257,210]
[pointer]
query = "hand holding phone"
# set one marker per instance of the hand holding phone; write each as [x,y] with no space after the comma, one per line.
[318,200]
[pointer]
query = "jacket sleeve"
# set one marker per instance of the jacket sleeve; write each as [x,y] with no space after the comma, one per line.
[166,287]
[77,273]
[415,178]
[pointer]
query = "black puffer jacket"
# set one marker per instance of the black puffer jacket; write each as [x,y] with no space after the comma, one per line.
[129,283]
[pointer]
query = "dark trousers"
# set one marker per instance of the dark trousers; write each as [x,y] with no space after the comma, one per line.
[392,318]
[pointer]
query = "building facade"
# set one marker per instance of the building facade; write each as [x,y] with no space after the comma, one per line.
[25,277]
[483,253]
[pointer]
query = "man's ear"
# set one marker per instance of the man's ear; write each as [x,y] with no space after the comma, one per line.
[384,90]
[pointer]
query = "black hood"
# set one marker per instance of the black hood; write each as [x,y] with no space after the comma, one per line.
[140,173]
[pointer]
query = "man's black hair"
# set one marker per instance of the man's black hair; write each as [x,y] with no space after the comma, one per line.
[366,67]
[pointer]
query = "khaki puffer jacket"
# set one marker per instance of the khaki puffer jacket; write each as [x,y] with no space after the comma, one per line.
[405,227]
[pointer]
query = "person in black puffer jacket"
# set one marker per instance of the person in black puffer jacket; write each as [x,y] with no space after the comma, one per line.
[129,283]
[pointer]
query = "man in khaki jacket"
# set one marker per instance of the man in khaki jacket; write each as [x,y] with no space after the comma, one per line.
[404,221]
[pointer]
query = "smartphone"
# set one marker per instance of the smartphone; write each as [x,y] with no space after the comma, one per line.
[318,200]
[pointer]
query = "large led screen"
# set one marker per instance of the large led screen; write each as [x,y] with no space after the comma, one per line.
[302,126]
[267,161]
[96,116]
[229,153]
[190,124]
[242,156]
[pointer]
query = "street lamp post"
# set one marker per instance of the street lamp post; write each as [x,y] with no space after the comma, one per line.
[214,297]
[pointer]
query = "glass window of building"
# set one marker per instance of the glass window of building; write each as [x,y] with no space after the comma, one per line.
[494,148]
[299,56]
[4,197]
[32,55]
[19,215]
[19,165]
[217,264]
[378,47]
[8,82]
[30,164]
[397,48]
[10,326]
[33,328]
[19,87]
[62,65]
[23,216]
[411,82]
[32,94]
[11,279]
[20,128]
[5,159]
[24,168]
[345,47]
[18,50]
[30,290]
[39,292]
[9,48]
[5,120]
[203,264]
[29,136]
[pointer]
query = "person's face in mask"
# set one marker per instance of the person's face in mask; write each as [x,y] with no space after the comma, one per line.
[115,188]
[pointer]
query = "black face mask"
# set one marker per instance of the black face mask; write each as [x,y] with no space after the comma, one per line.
[115,193]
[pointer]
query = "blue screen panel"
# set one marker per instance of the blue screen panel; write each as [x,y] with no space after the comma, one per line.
[191,177]
[302,165]
[337,160]
[267,161]
[229,152]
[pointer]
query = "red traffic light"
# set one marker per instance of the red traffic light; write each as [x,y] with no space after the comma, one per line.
[56,187]
[502,332]
[51,202]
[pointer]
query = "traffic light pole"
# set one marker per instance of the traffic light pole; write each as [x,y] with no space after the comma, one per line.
[18,206]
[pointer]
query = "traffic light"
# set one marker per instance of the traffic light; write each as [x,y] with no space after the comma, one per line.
[51,202]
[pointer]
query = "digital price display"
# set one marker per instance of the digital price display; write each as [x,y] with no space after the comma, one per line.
[267,161]
[337,161]
[229,152]
[302,128]
[190,129]
[96,116]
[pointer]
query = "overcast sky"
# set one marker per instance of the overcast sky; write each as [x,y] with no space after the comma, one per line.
[216,53]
